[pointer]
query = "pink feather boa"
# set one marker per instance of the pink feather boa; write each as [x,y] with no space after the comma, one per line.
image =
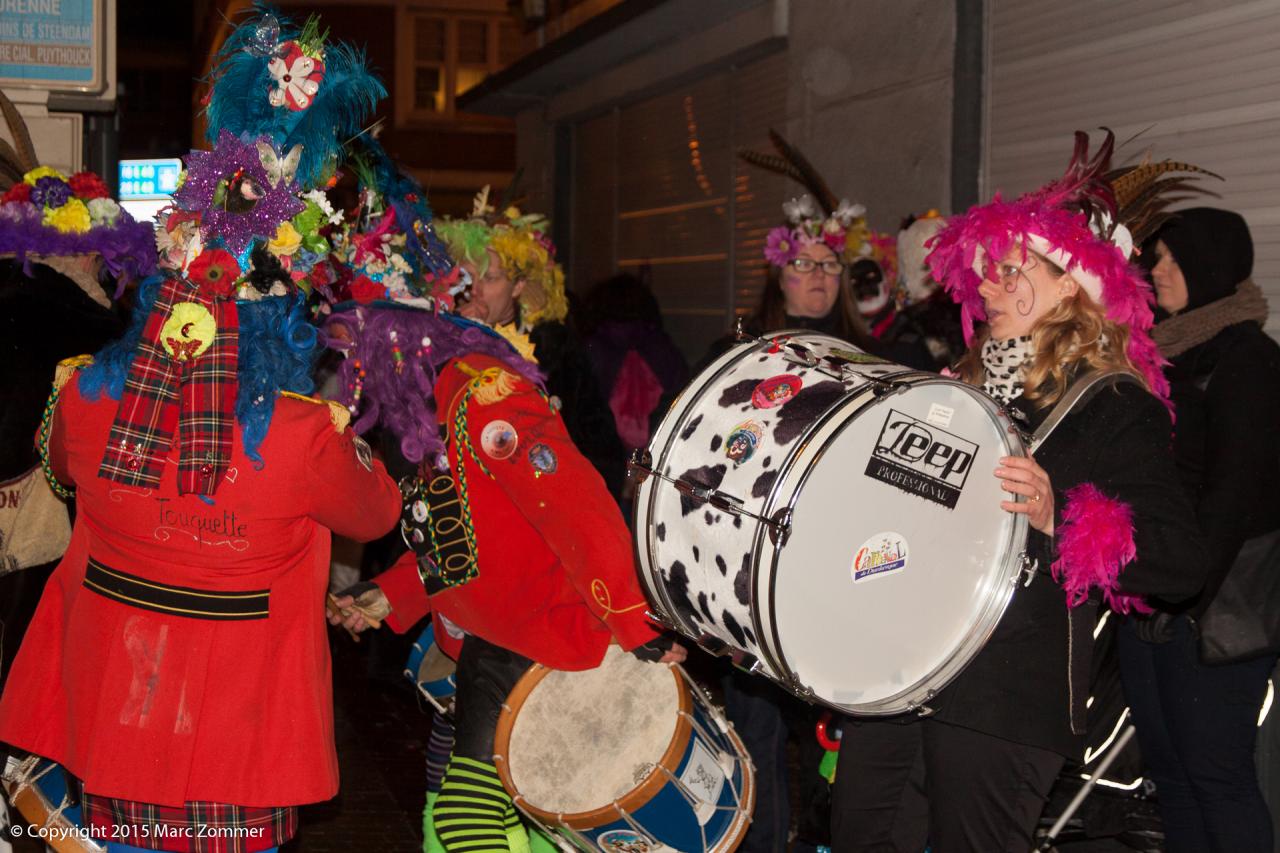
[1095,541]
[999,225]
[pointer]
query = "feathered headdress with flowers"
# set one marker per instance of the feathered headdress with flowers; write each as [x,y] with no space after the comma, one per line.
[246,232]
[524,248]
[45,215]
[1087,222]
[389,250]
[391,310]
[818,216]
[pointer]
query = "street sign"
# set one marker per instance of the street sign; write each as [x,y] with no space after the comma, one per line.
[53,44]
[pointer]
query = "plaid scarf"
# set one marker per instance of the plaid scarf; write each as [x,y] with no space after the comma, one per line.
[163,392]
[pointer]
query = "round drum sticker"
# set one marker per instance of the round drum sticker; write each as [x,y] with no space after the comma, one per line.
[775,391]
[499,439]
[743,441]
[625,841]
[880,555]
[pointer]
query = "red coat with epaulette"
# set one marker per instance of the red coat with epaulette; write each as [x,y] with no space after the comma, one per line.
[163,708]
[556,577]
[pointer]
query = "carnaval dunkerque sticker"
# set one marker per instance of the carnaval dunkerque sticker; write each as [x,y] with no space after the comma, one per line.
[742,441]
[881,554]
[499,439]
[775,391]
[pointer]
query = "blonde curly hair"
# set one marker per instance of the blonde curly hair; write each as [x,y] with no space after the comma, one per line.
[1074,335]
[524,252]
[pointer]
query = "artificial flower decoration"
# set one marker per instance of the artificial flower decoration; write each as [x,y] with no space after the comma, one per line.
[780,247]
[188,331]
[71,217]
[390,250]
[47,213]
[231,188]
[215,271]
[297,77]
[87,185]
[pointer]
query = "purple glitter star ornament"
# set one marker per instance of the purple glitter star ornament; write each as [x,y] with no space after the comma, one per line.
[249,207]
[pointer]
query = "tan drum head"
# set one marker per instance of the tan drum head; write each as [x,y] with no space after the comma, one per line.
[570,744]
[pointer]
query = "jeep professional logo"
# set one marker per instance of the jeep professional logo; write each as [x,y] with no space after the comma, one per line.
[921,459]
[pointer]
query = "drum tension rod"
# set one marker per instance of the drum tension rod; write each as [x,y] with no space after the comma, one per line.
[641,468]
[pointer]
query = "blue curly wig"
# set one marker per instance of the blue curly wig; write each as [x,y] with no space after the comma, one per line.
[277,351]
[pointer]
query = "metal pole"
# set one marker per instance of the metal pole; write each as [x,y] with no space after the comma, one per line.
[1084,792]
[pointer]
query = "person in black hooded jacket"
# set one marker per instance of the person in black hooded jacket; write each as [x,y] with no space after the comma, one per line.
[1197,723]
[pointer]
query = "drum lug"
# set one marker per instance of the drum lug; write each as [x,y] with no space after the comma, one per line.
[881,389]
[713,645]
[800,689]
[920,708]
[780,527]
[660,618]
[800,354]
[640,465]
[1027,566]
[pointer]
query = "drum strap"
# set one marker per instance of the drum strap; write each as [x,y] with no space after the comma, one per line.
[1080,393]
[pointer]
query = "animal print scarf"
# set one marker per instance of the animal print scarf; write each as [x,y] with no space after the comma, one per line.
[1003,363]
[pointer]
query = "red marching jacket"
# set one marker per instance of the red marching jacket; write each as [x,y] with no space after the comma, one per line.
[552,574]
[179,652]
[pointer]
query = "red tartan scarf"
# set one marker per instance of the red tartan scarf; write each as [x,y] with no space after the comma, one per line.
[178,381]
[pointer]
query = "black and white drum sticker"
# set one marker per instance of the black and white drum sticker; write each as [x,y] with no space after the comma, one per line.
[881,554]
[921,459]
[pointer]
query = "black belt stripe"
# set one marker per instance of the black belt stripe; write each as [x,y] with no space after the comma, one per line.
[176,600]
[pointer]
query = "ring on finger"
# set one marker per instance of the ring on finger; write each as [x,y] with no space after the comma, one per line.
[1035,497]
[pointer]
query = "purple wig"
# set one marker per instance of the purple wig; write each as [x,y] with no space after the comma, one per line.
[398,392]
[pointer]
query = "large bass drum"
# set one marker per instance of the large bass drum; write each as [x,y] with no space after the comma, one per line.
[831,521]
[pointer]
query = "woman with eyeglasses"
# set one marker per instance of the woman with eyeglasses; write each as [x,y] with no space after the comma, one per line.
[809,290]
[1048,276]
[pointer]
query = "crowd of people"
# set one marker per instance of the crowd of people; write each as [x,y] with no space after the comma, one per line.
[165,556]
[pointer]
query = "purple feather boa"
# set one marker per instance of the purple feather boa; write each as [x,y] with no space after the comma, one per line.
[1095,542]
[999,226]
[403,400]
[127,248]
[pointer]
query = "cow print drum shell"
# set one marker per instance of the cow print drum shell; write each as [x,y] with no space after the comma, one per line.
[899,560]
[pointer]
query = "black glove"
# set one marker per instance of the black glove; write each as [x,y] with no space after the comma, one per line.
[1155,627]
[652,651]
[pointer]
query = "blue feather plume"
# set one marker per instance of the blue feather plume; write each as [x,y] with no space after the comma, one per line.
[242,84]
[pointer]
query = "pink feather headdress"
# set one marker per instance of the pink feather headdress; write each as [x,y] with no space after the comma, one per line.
[1072,222]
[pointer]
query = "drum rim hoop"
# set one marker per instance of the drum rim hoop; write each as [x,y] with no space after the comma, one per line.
[636,798]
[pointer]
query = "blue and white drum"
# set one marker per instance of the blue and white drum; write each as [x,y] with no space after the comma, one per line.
[40,791]
[831,521]
[629,757]
[431,670]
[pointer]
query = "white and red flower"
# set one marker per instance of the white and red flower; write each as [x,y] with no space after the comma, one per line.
[297,75]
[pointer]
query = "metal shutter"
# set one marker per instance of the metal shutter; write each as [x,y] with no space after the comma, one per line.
[1203,75]
[658,191]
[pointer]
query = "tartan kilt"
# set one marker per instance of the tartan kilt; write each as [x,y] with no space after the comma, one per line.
[193,828]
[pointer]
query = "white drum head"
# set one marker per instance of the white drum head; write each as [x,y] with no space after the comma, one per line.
[882,586]
[584,739]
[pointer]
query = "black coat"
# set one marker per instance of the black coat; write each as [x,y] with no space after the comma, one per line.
[1227,441]
[1030,682]
[586,413]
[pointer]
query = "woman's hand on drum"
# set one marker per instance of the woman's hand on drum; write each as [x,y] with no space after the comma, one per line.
[675,654]
[1021,475]
[661,649]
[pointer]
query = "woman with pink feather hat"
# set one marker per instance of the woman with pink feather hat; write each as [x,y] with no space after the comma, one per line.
[1049,302]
